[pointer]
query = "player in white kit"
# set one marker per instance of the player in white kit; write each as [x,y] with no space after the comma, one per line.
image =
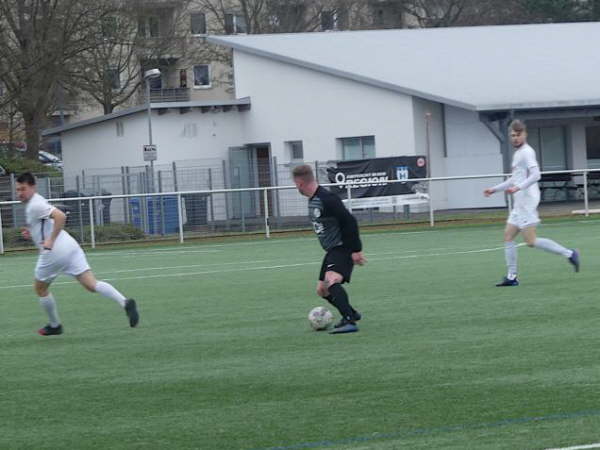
[59,253]
[526,196]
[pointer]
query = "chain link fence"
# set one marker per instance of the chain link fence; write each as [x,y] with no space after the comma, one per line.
[216,209]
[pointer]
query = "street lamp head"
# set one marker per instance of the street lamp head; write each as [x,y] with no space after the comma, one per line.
[151,74]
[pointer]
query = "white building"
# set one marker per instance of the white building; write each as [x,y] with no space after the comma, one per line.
[350,95]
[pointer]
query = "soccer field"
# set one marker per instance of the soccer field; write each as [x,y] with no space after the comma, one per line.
[224,357]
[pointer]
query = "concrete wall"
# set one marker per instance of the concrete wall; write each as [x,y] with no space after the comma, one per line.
[193,135]
[472,150]
[428,124]
[293,103]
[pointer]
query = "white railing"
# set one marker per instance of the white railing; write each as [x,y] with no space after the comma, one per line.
[426,199]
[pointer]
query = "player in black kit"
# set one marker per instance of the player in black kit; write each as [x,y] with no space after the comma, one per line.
[337,230]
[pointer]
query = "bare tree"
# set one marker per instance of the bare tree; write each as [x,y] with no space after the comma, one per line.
[40,38]
[276,16]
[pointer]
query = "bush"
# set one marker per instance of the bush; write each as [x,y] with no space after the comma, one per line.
[18,164]
[106,233]
[13,238]
[109,233]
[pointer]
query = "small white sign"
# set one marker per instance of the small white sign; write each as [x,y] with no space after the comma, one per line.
[149,152]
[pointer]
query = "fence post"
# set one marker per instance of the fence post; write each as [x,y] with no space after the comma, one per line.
[48,187]
[79,208]
[211,196]
[180,216]
[585,194]
[277,206]
[226,186]
[162,206]
[242,211]
[92,233]
[349,197]
[1,235]
[175,184]
[13,191]
[266,203]
[431,218]
[124,190]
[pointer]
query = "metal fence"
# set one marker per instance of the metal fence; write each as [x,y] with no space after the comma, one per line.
[217,210]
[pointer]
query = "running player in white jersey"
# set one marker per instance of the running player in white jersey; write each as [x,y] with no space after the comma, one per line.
[526,196]
[59,253]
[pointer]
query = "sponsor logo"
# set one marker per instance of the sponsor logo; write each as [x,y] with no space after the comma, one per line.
[402,172]
[420,162]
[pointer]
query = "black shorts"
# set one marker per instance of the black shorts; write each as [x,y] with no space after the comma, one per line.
[338,259]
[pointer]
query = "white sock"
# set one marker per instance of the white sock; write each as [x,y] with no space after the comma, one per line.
[510,255]
[49,305]
[109,291]
[553,247]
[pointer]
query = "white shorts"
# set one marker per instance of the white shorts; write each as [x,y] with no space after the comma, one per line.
[68,259]
[524,216]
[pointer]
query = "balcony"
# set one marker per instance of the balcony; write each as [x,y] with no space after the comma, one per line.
[169,95]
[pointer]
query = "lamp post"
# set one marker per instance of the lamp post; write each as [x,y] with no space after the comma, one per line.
[150,75]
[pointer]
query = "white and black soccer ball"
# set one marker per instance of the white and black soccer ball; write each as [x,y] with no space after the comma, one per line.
[320,318]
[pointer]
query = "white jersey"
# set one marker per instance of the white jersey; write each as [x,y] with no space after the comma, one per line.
[524,160]
[40,224]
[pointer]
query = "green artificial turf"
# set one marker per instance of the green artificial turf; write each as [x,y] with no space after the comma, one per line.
[224,357]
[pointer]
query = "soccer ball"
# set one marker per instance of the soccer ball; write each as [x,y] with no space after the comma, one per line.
[320,318]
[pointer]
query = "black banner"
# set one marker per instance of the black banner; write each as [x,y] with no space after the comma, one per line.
[377,171]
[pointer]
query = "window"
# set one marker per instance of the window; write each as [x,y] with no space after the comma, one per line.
[120,128]
[327,20]
[190,130]
[113,78]
[592,144]
[183,78]
[295,150]
[357,147]
[550,146]
[109,26]
[235,24]
[202,76]
[149,26]
[334,20]
[198,23]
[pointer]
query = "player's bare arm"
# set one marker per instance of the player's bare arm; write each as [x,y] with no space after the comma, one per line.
[359,258]
[25,233]
[59,218]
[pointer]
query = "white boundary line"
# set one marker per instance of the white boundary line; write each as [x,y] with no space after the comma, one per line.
[577,447]
[246,269]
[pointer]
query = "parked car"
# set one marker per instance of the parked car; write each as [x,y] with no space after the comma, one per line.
[48,159]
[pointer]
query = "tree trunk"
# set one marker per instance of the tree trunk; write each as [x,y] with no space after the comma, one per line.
[33,123]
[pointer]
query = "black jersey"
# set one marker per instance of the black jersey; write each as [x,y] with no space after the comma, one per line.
[332,222]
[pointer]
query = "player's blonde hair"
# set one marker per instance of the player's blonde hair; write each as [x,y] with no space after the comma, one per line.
[517,126]
[304,172]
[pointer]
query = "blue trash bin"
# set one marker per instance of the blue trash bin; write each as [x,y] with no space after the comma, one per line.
[158,220]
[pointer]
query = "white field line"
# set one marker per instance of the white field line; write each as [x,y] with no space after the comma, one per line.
[577,447]
[211,248]
[246,269]
[101,273]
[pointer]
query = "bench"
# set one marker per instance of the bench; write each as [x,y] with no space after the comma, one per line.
[390,201]
[556,183]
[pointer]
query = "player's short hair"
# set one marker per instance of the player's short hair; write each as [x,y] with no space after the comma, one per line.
[517,126]
[26,178]
[304,172]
